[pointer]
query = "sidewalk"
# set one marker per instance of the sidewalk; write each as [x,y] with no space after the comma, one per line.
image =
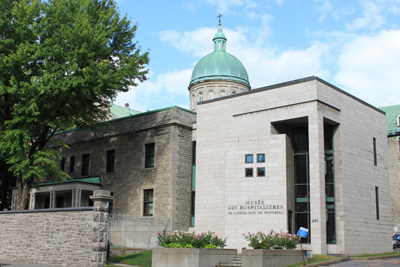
[16,264]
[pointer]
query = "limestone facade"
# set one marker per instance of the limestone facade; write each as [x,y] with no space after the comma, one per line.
[168,179]
[263,121]
[394,167]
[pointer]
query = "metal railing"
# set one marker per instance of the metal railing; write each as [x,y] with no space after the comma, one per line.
[132,232]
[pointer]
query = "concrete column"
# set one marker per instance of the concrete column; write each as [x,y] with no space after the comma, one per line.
[317,183]
[52,204]
[78,197]
[101,199]
[14,200]
[32,200]
[73,202]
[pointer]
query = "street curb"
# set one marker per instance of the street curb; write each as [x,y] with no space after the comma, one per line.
[376,257]
[122,264]
[322,263]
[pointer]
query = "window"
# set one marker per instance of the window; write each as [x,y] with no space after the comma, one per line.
[398,120]
[110,166]
[149,156]
[210,95]
[85,164]
[222,93]
[261,158]
[249,158]
[72,164]
[374,144]
[301,180]
[62,164]
[148,202]
[249,172]
[233,93]
[260,172]
[200,97]
[377,202]
[329,185]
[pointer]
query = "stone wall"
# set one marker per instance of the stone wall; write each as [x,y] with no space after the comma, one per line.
[394,168]
[170,130]
[57,237]
[52,237]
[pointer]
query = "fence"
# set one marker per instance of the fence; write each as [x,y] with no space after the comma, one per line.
[132,232]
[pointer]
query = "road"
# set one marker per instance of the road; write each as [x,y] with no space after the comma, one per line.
[388,262]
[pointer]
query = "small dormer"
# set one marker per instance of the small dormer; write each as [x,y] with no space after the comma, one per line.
[398,121]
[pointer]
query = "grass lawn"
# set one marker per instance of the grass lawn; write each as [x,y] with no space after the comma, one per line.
[142,258]
[316,258]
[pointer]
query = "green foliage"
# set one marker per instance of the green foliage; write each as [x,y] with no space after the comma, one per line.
[272,240]
[317,258]
[185,240]
[59,61]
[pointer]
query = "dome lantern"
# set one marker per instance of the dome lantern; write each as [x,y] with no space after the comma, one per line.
[219,71]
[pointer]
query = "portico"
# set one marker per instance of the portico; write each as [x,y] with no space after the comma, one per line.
[62,194]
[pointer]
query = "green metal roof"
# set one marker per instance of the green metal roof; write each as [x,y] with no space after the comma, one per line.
[90,180]
[220,34]
[391,119]
[219,65]
[120,112]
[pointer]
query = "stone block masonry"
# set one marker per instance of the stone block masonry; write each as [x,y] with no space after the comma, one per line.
[57,237]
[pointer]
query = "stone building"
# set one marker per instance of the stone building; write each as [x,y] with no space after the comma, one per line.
[142,159]
[302,153]
[393,138]
[295,154]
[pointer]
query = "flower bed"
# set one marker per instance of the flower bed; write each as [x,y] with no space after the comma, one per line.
[190,240]
[193,257]
[181,249]
[272,249]
[273,240]
[270,257]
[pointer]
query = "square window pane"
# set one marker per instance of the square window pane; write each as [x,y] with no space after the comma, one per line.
[249,158]
[260,171]
[249,172]
[260,157]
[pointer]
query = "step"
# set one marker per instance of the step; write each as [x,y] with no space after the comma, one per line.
[236,262]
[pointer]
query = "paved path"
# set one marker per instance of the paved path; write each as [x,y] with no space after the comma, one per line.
[387,262]
[16,264]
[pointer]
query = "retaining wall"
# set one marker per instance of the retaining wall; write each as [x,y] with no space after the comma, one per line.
[57,237]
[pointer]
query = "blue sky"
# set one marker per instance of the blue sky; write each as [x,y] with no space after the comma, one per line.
[354,45]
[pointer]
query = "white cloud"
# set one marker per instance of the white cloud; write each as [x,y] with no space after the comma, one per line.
[369,68]
[167,85]
[198,42]
[269,66]
[175,82]
[371,19]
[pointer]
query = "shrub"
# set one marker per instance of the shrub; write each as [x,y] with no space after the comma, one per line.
[272,240]
[191,240]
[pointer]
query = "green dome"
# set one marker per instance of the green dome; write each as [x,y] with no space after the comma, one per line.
[219,65]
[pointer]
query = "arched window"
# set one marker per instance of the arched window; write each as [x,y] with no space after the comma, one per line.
[193,101]
[233,92]
[200,97]
[210,94]
[222,93]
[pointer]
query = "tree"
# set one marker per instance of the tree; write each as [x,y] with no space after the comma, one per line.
[59,61]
